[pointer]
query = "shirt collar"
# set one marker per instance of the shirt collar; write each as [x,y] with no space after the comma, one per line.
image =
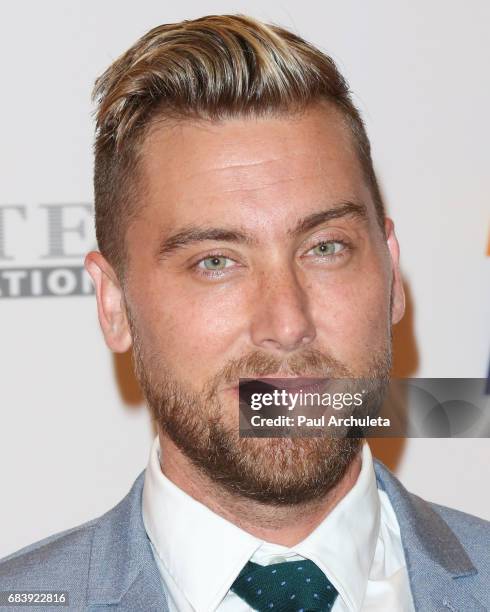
[204,552]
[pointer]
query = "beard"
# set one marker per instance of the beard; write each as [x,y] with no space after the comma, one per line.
[285,471]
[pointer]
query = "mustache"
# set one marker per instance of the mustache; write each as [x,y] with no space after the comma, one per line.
[257,364]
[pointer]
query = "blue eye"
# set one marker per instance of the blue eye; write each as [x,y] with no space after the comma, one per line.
[328,248]
[214,262]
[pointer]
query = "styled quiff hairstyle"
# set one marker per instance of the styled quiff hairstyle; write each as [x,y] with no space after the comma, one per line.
[212,68]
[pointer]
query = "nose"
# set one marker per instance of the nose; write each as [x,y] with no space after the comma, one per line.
[282,320]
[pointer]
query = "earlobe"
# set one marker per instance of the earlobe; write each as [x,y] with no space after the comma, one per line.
[398,293]
[110,303]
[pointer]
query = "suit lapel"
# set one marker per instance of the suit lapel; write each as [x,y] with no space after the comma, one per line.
[123,574]
[439,568]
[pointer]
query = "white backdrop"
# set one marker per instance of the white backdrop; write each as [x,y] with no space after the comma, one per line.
[74,432]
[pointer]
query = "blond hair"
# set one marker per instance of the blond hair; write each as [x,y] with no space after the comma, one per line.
[214,67]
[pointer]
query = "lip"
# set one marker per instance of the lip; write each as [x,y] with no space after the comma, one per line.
[301,384]
[296,384]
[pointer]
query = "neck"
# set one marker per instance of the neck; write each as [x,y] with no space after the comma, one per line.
[279,525]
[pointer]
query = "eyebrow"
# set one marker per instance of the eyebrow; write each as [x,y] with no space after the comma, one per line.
[192,234]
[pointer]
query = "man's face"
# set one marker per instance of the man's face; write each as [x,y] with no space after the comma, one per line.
[239,268]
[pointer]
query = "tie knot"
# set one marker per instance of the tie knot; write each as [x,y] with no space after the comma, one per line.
[292,586]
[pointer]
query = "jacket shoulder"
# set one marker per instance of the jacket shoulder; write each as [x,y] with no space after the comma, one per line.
[63,561]
[56,561]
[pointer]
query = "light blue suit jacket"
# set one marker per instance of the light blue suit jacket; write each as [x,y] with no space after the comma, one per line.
[107,564]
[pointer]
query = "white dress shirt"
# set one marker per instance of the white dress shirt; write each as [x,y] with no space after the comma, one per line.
[200,554]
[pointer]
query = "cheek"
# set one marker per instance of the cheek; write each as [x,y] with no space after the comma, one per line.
[352,316]
[191,330]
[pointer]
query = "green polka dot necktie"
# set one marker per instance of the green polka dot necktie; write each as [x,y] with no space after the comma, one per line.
[292,586]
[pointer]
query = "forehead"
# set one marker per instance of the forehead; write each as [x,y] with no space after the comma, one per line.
[250,166]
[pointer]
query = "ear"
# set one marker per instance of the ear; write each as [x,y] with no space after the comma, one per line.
[398,308]
[110,303]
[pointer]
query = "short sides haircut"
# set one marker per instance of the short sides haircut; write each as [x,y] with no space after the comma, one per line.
[212,68]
